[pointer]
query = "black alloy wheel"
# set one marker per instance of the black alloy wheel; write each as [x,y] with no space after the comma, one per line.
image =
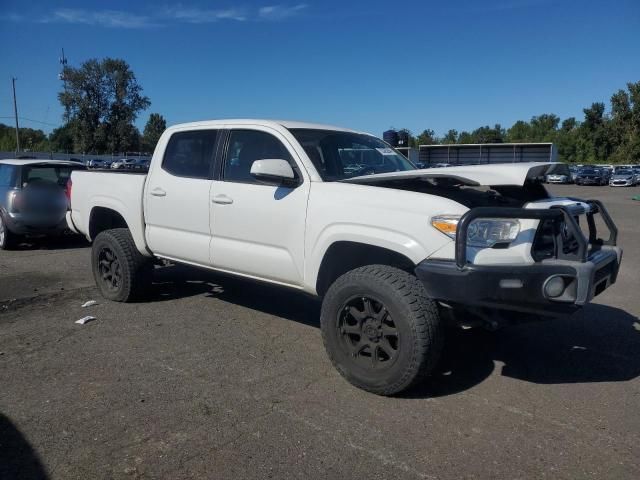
[110,269]
[368,332]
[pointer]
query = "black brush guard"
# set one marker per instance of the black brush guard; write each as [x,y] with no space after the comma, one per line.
[587,262]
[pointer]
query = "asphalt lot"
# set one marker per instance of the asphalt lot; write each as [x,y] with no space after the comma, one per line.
[222,378]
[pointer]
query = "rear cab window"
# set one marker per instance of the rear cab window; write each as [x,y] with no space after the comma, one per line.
[191,153]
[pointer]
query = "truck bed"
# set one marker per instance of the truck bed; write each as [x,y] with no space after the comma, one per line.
[108,189]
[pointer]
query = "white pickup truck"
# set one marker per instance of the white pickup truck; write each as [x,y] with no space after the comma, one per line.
[393,251]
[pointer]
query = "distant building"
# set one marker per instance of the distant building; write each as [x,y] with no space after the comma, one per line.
[482,153]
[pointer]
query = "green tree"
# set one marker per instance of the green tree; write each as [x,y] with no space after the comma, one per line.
[519,132]
[487,134]
[544,128]
[30,139]
[152,131]
[102,99]
[427,137]
[61,139]
[450,137]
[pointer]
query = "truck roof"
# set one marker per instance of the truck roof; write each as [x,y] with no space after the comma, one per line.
[262,122]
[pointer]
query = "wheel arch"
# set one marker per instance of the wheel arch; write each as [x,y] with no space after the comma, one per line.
[103,218]
[343,256]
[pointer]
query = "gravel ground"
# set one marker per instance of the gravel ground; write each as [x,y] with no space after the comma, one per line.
[220,378]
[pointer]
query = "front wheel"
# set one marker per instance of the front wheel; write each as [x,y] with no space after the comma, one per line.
[380,329]
[121,272]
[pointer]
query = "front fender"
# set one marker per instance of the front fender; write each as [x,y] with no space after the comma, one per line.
[405,244]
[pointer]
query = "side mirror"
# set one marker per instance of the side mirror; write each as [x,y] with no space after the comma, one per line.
[274,171]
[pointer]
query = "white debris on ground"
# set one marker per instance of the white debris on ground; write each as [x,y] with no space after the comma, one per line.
[84,320]
[89,303]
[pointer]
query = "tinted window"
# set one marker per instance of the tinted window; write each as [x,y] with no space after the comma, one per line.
[247,146]
[46,173]
[190,154]
[6,176]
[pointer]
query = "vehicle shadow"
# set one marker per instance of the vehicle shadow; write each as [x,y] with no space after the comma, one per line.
[179,281]
[18,459]
[597,344]
[62,242]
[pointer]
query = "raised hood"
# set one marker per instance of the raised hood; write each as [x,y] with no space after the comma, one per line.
[473,175]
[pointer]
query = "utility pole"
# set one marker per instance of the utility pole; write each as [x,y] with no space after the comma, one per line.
[63,77]
[15,112]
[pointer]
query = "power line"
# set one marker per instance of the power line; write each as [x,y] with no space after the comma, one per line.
[31,120]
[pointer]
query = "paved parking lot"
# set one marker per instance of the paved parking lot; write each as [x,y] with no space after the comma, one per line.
[222,378]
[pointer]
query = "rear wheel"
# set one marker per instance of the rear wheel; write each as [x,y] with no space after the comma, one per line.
[121,272]
[380,329]
[8,239]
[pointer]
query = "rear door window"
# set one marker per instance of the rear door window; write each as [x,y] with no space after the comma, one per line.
[190,154]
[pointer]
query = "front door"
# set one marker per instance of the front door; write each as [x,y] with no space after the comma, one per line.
[257,229]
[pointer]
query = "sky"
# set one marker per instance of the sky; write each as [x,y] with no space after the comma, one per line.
[367,65]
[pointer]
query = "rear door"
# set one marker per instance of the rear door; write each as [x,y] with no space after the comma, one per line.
[258,229]
[177,197]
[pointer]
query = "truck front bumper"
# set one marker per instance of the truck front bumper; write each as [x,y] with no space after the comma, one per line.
[524,288]
[580,268]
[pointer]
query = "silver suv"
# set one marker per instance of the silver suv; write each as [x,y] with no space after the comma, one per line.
[33,198]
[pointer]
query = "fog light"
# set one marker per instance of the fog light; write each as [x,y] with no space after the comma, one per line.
[554,287]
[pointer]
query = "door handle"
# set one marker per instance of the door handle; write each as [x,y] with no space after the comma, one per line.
[222,200]
[158,192]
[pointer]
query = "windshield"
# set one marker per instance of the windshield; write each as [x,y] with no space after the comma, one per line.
[588,171]
[340,155]
[624,172]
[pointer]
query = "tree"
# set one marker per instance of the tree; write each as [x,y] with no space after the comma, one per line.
[427,137]
[61,139]
[543,127]
[450,137]
[152,131]
[102,99]
[519,132]
[487,134]
[30,139]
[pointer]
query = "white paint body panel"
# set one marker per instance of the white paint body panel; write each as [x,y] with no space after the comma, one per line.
[120,192]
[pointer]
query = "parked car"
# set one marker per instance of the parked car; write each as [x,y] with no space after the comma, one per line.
[123,164]
[636,172]
[33,198]
[590,176]
[97,163]
[623,178]
[606,173]
[140,165]
[559,174]
[390,254]
[573,172]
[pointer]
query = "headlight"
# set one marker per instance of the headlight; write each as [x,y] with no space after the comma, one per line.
[482,232]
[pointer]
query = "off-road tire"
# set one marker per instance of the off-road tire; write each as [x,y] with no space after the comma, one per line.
[415,315]
[135,270]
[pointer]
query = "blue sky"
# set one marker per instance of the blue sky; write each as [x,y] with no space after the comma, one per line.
[361,64]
